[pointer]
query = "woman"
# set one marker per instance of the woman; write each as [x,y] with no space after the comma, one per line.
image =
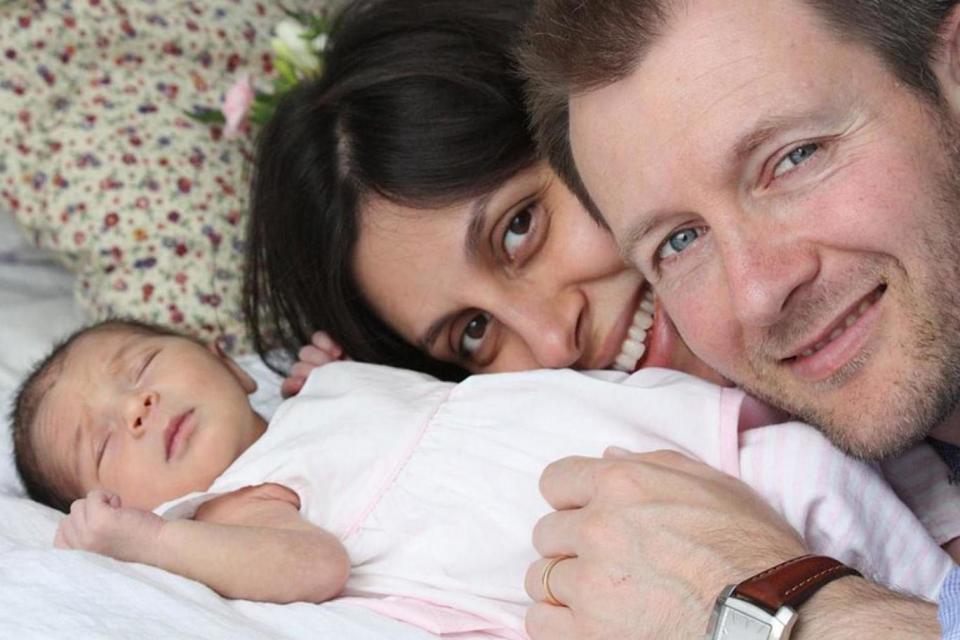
[400,206]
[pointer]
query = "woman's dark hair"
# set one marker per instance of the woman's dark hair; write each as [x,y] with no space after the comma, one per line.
[420,103]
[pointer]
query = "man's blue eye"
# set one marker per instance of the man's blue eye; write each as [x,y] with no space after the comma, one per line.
[795,158]
[678,242]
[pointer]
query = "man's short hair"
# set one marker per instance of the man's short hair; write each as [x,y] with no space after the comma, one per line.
[576,46]
[30,395]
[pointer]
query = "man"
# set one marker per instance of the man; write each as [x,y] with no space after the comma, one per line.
[787,175]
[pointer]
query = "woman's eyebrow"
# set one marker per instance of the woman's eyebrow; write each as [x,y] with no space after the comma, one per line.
[472,242]
[478,220]
[433,332]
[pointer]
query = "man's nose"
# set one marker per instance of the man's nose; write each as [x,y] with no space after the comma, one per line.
[548,325]
[764,270]
[138,411]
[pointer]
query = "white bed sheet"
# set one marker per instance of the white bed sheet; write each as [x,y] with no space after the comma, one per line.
[48,593]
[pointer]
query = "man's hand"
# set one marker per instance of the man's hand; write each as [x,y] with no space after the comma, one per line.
[100,523]
[321,350]
[651,539]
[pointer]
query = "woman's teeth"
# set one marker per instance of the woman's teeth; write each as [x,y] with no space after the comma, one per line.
[634,346]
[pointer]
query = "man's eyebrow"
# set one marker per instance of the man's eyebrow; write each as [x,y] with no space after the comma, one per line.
[768,126]
[759,133]
[635,234]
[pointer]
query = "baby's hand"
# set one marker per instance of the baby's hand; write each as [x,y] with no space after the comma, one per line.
[321,350]
[99,523]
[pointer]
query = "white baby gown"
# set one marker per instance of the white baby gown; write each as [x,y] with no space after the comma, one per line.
[433,486]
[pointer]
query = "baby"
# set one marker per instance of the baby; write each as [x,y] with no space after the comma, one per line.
[132,416]
[416,494]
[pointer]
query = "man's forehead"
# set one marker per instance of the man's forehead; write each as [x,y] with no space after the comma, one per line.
[703,90]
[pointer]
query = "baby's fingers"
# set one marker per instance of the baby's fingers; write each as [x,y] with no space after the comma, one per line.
[315,356]
[100,496]
[322,341]
[302,369]
[292,386]
[67,532]
[99,501]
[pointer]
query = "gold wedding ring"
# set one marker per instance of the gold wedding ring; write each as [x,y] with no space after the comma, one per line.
[549,598]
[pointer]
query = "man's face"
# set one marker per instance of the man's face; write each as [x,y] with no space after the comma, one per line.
[795,207]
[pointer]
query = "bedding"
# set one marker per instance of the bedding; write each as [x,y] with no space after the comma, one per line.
[100,162]
[48,593]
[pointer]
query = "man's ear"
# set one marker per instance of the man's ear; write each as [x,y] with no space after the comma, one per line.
[946,65]
[248,384]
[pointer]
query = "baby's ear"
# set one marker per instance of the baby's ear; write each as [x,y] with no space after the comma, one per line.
[249,384]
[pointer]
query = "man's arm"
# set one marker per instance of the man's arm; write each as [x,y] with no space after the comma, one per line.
[251,544]
[855,608]
[652,540]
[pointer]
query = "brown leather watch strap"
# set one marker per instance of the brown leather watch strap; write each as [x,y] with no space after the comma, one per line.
[792,582]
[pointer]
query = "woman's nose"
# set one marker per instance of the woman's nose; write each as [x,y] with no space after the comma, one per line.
[549,327]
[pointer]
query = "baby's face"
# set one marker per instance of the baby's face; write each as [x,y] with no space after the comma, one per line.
[150,418]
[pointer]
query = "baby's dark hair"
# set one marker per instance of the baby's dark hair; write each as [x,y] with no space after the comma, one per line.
[27,403]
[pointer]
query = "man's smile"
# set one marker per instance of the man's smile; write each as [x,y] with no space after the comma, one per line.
[839,342]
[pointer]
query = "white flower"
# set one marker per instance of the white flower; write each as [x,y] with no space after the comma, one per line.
[319,43]
[291,45]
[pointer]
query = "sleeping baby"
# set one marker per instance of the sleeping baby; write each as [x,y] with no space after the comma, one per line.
[417,495]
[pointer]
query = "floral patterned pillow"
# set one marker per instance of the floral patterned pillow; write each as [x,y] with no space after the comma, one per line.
[99,162]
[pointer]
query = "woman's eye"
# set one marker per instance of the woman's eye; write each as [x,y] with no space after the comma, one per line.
[678,242]
[795,158]
[473,335]
[517,232]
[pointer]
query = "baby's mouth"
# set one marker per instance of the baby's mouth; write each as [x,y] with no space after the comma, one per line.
[635,344]
[172,430]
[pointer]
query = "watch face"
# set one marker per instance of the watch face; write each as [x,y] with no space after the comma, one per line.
[736,625]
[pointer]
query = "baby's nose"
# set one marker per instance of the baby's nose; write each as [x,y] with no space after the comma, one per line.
[143,404]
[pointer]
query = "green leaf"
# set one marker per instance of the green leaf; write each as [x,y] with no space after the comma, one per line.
[286,71]
[261,112]
[206,116]
[315,24]
[282,84]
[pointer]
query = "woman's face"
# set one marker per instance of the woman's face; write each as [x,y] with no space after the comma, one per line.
[521,278]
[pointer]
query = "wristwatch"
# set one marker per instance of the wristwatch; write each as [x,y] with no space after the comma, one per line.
[764,607]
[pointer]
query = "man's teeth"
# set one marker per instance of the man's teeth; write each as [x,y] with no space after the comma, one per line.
[843,326]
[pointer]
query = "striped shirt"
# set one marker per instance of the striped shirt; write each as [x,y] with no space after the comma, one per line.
[950,606]
[949,613]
